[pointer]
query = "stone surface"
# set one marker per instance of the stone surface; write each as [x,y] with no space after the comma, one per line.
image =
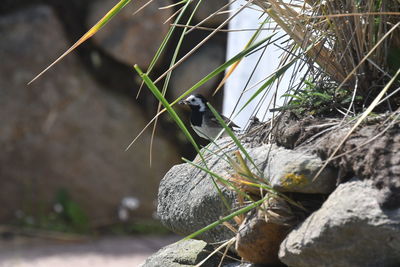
[182,254]
[207,58]
[64,131]
[189,201]
[131,39]
[294,171]
[258,239]
[350,229]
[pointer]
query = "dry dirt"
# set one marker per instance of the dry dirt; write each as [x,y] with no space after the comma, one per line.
[103,252]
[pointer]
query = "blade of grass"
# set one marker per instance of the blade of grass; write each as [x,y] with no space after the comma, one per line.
[202,42]
[168,77]
[204,80]
[219,178]
[227,218]
[225,244]
[270,81]
[234,66]
[103,21]
[163,44]
[222,68]
[153,88]
[232,135]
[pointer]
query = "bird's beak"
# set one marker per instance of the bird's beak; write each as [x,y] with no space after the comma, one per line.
[182,102]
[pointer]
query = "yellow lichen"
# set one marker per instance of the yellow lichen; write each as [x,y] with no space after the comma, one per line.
[292,179]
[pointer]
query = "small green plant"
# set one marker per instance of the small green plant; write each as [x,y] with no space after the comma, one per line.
[66,216]
[320,99]
[70,212]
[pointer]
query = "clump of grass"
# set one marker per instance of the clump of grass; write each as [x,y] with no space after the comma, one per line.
[352,43]
[320,99]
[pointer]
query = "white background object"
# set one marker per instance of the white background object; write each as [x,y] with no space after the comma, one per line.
[250,19]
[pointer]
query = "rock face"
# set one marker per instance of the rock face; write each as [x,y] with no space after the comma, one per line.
[131,39]
[350,229]
[64,131]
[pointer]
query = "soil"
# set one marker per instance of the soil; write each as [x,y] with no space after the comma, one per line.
[371,152]
[103,252]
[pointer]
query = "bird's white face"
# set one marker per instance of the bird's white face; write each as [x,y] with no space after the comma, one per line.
[196,102]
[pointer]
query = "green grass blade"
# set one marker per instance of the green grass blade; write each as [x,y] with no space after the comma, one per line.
[173,60]
[153,88]
[234,138]
[227,218]
[166,39]
[219,178]
[270,81]
[103,21]
[222,68]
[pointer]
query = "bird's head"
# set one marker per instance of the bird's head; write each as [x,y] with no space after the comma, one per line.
[196,102]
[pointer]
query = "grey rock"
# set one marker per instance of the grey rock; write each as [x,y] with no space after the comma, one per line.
[182,254]
[188,201]
[294,171]
[131,39]
[65,131]
[350,229]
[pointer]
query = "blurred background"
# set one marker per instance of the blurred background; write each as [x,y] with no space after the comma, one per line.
[64,172]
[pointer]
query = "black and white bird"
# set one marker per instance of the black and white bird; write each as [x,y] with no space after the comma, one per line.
[202,120]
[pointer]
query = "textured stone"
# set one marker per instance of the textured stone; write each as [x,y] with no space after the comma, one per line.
[259,238]
[294,171]
[189,201]
[182,254]
[350,229]
[131,39]
[64,131]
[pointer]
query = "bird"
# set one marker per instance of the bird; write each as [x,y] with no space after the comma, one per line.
[202,120]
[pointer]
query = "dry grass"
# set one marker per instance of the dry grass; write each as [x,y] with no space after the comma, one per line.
[338,35]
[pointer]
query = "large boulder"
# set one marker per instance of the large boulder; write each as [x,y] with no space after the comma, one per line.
[188,201]
[65,132]
[350,229]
